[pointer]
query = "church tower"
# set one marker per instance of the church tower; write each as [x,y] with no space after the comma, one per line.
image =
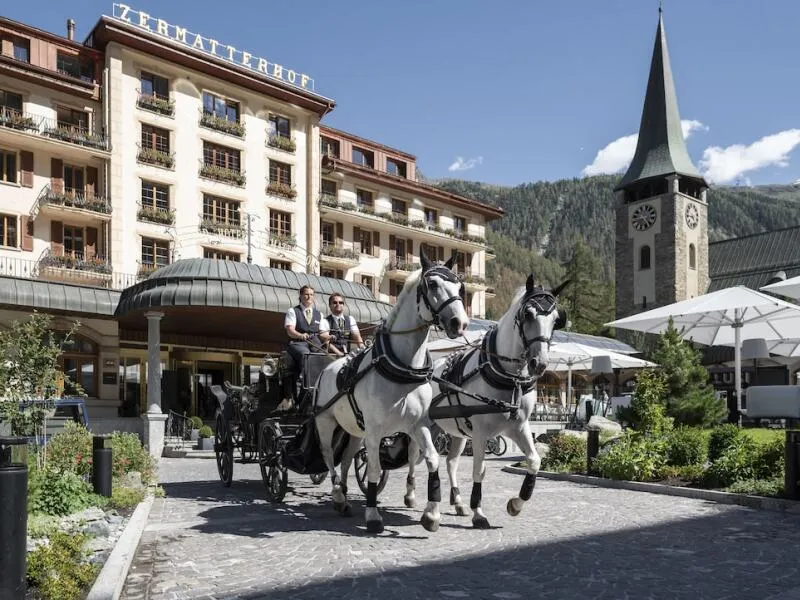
[661,208]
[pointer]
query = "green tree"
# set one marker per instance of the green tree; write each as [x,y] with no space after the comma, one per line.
[586,297]
[690,398]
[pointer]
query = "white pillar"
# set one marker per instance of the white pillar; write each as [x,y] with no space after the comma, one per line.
[154,419]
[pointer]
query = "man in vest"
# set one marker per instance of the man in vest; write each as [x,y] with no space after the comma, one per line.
[302,326]
[339,330]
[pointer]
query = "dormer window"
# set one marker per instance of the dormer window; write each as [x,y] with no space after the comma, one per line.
[75,66]
[396,167]
[362,157]
[330,147]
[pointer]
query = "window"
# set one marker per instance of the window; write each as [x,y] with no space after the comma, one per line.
[155,253]
[221,156]
[8,166]
[328,233]
[460,224]
[70,116]
[73,241]
[369,282]
[395,287]
[154,85]
[692,257]
[333,273]
[8,230]
[330,147]
[221,107]
[364,199]
[329,188]
[280,223]
[78,362]
[399,207]
[74,180]
[155,195]
[396,167]
[431,217]
[280,264]
[221,211]
[11,101]
[644,257]
[22,49]
[221,255]
[365,241]
[155,138]
[434,253]
[280,172]
[280,126]
[75,66]
[363,157]
[400,248]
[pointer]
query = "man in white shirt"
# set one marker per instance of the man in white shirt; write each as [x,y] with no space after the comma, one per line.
[302,326]
[339,330]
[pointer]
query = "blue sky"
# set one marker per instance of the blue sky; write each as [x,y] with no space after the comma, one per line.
[521,91]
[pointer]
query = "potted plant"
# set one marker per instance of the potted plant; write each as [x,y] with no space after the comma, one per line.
[206,438]
[195,424]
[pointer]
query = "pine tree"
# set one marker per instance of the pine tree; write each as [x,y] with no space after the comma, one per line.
[587,297]
[690,399]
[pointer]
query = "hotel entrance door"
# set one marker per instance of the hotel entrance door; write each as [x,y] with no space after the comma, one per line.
[206,375]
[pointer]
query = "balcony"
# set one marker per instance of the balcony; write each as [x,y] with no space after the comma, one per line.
[338,254]
[281,142]
[156,158]
[156,104]
[153,214]
[72,133]
[223,228]
[221,124]
[80,201]
[282,240]
[14,119]
[400,268]
[146,269]
[490,292]
[74,267]
[490,254]
[223,174]
[284,190]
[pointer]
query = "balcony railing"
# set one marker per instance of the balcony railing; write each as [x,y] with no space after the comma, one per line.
[217,173]
[59,196]
[153,214]
[402,265]
[156,104]
[14,119]
[285,190]
[157,158]
[234,230]
[282,143]
[328,200]
[147,269]
[217,123]
[77,261]
[31,269]
[283,240]
[336,251]
[74,134]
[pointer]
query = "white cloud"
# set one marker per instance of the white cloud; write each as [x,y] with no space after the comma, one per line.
[617,155]
[721,165]
[465,165]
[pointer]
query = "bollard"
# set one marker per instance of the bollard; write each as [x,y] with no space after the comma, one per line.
[792,472]
[589,410]
[592,449]
[101,466]
[13,517]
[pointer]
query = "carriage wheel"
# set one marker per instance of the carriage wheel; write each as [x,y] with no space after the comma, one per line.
[247,446]
[500,446]
[442,443]
[317,478]
[273,473]
[223,447]
[360,463]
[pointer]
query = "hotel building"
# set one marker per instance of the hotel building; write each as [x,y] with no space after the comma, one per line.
[130,160]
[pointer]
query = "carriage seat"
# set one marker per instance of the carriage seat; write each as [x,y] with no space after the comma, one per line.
[219,394]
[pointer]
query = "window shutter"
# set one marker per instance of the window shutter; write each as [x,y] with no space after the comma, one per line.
[376,243]
[91,242]
[57,175]
[440,253]
[27,233]
[393,248]
[27,168]
[409,251]
[339,233]
[91,181]
[357,238]
[57,238]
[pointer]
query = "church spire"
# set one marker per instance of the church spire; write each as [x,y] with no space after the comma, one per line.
[661,149]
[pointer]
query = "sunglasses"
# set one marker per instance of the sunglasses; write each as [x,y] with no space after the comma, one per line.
[337,302]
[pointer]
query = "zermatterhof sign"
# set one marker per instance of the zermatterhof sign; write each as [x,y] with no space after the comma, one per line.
[212,47]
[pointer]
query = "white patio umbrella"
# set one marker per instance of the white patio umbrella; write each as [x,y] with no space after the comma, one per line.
[788,287]
[723,318]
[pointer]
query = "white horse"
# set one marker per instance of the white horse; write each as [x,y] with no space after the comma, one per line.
[482,392]
[384,389]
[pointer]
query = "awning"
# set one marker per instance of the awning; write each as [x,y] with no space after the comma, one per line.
[29,294]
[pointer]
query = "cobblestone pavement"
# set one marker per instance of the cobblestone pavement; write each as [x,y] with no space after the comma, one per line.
[571,541]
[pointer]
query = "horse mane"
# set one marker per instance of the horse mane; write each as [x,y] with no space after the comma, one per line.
[411,282]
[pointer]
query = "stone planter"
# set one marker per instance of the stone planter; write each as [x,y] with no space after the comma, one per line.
[194,435]
[205,444]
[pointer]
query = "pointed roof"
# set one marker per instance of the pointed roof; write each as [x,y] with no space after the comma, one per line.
[661,149]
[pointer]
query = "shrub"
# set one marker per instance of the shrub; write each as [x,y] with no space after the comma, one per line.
[125,497]
[60,493]
[759,487]
[692,473]
[686,446]
[205,432]
[128,455]
[567,453]
[634,458]
[738,462]
[196,422]
[722,437]
[57,568]
[770,459]
[70,451]
[647,414]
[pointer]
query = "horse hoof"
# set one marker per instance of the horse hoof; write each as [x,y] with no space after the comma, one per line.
[339,507]
[429,523]
[347,511]
[514,507]
[461,510]
[409,501]
[374,526]
[480,523]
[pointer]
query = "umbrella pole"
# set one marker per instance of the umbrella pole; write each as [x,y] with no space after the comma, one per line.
[569,384]
[737,364]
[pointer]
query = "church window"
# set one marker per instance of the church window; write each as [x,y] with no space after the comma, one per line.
[644,258]
[692,257]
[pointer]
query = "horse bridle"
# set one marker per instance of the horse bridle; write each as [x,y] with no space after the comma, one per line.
[544,303]
[422,291]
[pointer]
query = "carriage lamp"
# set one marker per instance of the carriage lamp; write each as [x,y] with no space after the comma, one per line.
[269,366]
[13,516]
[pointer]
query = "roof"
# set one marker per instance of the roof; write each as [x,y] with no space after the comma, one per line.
[330,131]
[48,36]
[754,260]
[660,149]
[18,292]
[220,283]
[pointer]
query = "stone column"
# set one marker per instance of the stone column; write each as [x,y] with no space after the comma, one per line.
[154,419]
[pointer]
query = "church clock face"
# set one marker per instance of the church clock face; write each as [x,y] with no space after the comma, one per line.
[692,217]
[643,217]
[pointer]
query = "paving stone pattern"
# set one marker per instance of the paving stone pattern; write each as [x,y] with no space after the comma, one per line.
[571,541]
